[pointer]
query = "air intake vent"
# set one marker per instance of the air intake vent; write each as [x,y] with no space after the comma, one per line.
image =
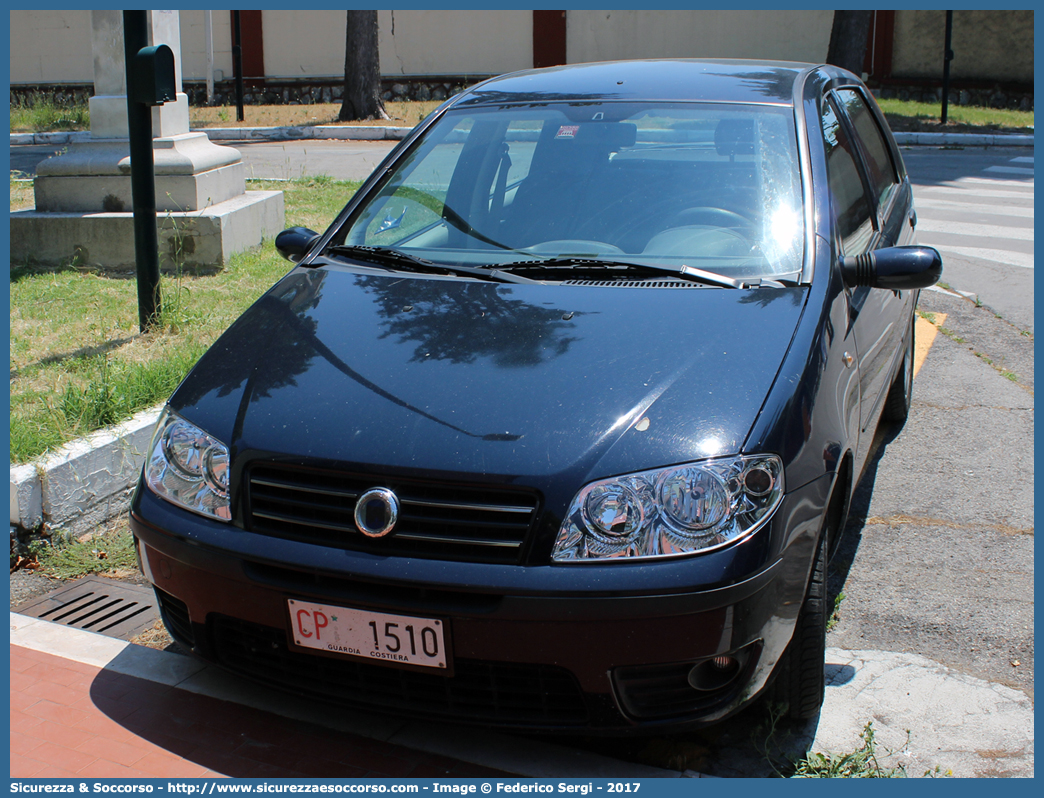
[633,283]
[436,520]
[478,692]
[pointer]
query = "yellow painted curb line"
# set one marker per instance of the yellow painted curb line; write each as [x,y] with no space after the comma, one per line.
[924,336]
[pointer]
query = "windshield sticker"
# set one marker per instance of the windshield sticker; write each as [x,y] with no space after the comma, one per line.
[567,132]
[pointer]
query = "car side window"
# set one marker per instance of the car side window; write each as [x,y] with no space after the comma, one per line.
[883,176]
[851,207]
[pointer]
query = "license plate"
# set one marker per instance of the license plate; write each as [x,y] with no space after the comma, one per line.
[375,636]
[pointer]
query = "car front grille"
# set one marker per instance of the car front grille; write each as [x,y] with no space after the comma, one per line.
[441,521]
[481,692]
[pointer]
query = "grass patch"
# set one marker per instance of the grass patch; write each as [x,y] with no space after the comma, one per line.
[22,196]
[36,113]
[402,114]
[907,115]
[78,363]
[113,551]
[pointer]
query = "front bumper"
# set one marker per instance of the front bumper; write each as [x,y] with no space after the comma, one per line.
[537,648]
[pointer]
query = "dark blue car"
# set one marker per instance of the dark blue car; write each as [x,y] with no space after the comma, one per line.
[557,425]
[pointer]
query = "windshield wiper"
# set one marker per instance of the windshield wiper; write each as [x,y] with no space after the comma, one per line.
[684,272]
[385,256]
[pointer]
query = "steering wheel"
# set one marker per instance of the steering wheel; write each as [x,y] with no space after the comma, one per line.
[717,217]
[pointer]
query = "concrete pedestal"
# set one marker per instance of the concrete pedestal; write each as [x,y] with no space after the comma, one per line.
[201,240]
[83,212]
[191,174]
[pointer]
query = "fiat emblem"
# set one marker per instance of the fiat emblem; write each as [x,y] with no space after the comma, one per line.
[376,512]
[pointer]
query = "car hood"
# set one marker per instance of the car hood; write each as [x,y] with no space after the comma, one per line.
[532,384]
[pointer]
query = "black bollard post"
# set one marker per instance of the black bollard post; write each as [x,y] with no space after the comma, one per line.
[237,62]
[947,58]
[143,182]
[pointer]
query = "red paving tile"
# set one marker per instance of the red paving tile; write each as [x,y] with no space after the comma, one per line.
[163,765]
[21,720]
[68,758]
[70,719]
[22,766]
[59,713]
[121,753]
[58,734]
[23,743]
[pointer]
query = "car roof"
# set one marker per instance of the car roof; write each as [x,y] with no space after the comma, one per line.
[686,80]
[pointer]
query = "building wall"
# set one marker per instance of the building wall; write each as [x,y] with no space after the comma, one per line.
[194,44]
[778,35]
[469,42]
[987,45]
[51,46]
[304,45]
[54,46]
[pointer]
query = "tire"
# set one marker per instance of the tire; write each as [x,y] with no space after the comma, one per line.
[799,682]
[897,404]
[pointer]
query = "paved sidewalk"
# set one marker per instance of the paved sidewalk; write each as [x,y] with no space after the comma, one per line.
[70,720]
[86,705]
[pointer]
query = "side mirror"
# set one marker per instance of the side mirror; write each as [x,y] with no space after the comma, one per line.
[894,268]
[295,242]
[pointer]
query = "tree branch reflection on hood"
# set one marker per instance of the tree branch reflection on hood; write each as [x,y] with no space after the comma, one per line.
[513,333]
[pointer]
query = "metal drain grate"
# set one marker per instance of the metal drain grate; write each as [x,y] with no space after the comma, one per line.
[97,604]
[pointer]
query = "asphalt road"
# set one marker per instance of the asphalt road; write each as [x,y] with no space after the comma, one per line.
[976,207]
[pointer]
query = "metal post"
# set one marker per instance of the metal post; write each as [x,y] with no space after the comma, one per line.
[237,62]
[208,31]
[143,181]
[947,58]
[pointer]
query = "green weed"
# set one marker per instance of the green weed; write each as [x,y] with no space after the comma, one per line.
[835,616]
[928,317]
[99,554]
[862,763]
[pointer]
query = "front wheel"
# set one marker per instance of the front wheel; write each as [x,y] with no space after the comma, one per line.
[800,682]
[897,404]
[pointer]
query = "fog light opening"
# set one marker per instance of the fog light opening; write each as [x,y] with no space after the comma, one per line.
[715,673]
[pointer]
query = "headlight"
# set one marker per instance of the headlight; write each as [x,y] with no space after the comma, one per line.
[188,467]
[670,512]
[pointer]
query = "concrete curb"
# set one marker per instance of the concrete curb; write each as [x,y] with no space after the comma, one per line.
[309,132]
[84,483]
[963,140]
[377,133]
[526,757]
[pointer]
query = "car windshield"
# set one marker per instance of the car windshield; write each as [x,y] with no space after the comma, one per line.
[709,186]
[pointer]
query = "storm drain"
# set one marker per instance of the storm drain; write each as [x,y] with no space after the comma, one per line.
[97,604]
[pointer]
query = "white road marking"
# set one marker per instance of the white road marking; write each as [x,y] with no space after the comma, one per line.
[934,225]
[1013,170]
[1024,260]
[995,183]
[1023,159]
[972,191]
[937,202]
